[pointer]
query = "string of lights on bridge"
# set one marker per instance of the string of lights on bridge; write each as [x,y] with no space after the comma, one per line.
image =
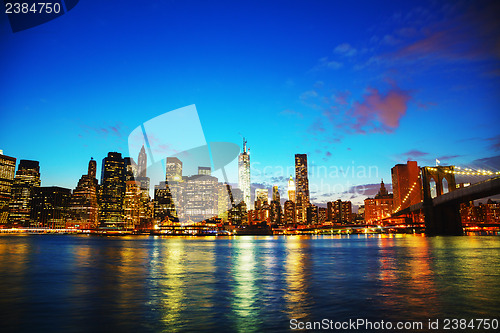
[468,172]
[408,194]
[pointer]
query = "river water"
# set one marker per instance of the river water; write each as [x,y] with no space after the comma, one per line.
[77,283]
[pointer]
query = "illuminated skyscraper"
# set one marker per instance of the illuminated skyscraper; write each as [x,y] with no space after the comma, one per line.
[199,200]
[130,168]
[83,207]
[49,207]
[174,169]
[7,172]
[276,206]
[289,212]
[27,178]
[244,173]
[142,163]
[205,171]
[261,195]
[291,189]
[133,205]
[302,186]
[112,191]
[276,193]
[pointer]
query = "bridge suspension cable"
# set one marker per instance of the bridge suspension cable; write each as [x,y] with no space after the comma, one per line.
[472,172]
[407,195]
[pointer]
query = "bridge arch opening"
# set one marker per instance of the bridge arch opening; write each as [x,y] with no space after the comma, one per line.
[445,186]
[433,188]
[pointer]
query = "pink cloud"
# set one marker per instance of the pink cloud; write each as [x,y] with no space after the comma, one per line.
[384,109]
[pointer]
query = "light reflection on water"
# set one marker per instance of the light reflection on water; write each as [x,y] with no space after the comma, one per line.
[61,283]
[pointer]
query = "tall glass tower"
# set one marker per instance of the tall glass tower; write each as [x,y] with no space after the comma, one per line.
[244,173]
[112,191]
[302,186]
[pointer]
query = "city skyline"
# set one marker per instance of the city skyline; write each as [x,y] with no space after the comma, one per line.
[351,88]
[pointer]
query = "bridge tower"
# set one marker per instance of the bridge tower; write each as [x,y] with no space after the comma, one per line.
[443,219]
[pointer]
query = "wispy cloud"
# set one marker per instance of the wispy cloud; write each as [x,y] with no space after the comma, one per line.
[326,63]
[368,190]
[116,130]
[289,112]
[414,154]
[345,49]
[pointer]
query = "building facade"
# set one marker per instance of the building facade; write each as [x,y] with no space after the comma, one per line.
[379,207]
[7,172]
[112,191]
[27,178]
[302,187]
[83,206]
[49,207]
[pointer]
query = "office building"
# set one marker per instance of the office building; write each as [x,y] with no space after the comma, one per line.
[26,179]
[205,171]
[49,207]
[291,189]
[83,206]
[379,207]
[302,187]
[7,172]
[112,191]
[339,211]
[289,212]
[174,169]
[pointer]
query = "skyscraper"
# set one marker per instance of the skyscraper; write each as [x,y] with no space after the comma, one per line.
[49,207]
[276,206]
[276,193]
[174,169]
[7,172]
[200,200]
[112,191]
[206,171]
[83,207]
[130,168]
[291,189]
[302,186]
[261,195]
[142,163]
[244,173]
[27,178]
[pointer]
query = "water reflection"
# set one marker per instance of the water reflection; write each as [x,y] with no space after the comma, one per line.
[244,289]
[152,284]
[297,302]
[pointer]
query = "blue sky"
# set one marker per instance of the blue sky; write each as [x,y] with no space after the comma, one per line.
[367,84]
